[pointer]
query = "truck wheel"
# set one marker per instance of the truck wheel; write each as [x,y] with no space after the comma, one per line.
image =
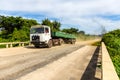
[60,42]
[49,44]
[72,41]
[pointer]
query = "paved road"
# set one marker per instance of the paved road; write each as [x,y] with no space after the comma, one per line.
[70,67]
[56,63]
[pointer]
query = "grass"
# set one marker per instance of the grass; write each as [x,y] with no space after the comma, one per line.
[82,37]
[97,43]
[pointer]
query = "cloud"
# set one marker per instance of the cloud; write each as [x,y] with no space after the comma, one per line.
[79,13]
[63,8]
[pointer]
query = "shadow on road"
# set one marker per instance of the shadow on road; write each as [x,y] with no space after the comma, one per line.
[89,73]
[32,47]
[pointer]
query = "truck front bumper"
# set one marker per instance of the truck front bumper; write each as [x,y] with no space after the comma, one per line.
[38,43]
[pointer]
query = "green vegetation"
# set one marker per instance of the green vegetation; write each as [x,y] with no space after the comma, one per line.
[15,28]
[97,43]
[80,35]
[2,46]
[112,41]
[55,26]
[84,37]
[71,31]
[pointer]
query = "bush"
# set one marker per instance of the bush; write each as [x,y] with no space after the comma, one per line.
[97,43]
[2,46]
[112,41]
[21,35]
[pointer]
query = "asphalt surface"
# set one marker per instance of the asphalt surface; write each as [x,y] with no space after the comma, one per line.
[66,62]
[14,66]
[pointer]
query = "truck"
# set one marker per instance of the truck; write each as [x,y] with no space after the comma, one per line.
[42,35]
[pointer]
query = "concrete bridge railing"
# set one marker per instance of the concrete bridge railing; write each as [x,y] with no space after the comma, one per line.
[10,44]
[108,70]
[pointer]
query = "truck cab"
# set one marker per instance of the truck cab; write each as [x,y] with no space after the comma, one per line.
[40,35]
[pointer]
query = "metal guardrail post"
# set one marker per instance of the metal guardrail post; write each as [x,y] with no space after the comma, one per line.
[11,45]
[22,44]
[19,44]
[7,45]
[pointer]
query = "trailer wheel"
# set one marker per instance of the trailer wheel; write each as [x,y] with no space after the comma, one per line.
[49,44]
[60,41]
[72,41]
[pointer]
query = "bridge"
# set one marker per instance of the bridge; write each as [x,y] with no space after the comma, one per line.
[81,61]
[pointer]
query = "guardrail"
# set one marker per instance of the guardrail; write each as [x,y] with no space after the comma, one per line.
[10,44]
[108,70]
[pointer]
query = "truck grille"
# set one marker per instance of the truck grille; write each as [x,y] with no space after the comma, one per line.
[35,38]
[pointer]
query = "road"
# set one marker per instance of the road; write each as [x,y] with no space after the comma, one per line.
[66,62]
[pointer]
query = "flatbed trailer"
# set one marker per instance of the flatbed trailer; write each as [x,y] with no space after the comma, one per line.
[62,35]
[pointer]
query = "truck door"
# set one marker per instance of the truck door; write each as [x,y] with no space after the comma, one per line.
[47,34]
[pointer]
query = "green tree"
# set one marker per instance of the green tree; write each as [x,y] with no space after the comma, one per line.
[15,28]
[55,25]
[71,30]
[21,35]
[81,32]
[15,25]
[9,23]
[47,22]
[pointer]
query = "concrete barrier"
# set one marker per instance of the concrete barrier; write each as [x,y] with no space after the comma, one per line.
[10,44]
[108,70]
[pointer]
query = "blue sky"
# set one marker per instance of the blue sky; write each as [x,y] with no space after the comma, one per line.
[87,15]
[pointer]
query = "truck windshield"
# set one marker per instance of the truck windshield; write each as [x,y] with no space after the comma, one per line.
[36,30]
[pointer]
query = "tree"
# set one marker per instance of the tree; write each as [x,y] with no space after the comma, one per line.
[15,25]
[20,35]
[55,25]
[71,30]
[81,32]
[46,22]
[9,23]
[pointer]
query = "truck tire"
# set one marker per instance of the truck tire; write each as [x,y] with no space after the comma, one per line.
[49,45]
[72,41]
[59,43]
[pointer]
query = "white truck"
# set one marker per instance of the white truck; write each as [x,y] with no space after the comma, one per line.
[41,35]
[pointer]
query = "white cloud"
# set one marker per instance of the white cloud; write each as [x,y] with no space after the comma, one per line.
[74,12]
[64,8]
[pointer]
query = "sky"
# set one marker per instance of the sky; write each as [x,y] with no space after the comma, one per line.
[90,16]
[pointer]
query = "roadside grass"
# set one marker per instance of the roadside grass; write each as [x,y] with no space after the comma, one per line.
[98,43]
[82,37]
